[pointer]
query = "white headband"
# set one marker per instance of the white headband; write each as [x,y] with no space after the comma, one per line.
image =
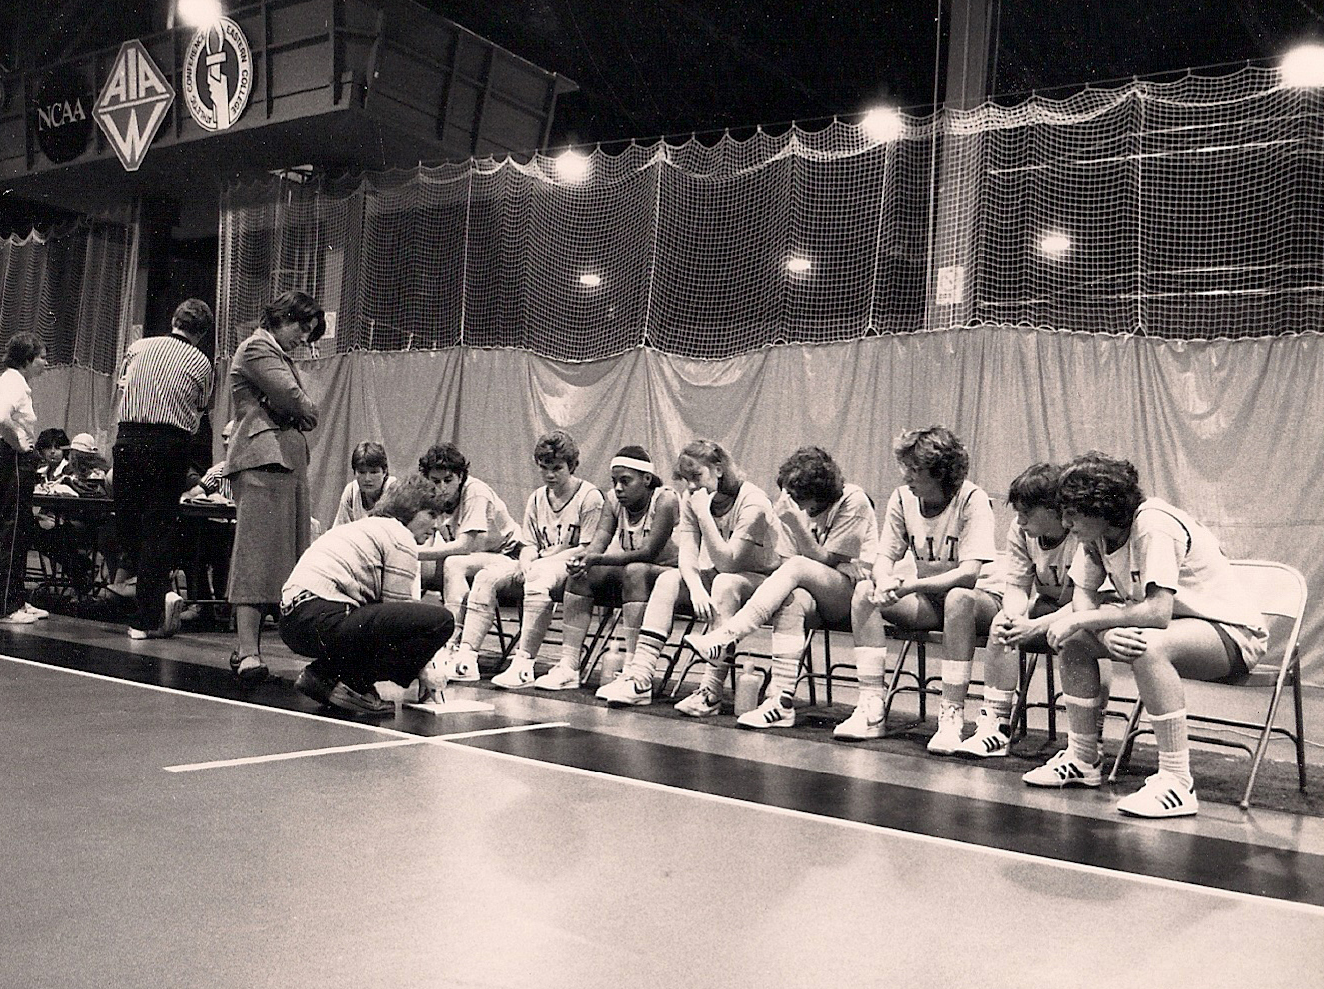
[643,465]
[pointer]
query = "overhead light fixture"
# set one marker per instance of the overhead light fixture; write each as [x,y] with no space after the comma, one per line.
[200,14]
[1303,67]
[798,266]
[883,123]
[590,280]
[1054,244]
[571,166]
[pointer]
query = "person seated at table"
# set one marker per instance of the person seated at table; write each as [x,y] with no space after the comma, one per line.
[86,471]
[350,604]
[51,444]
[208,541]
[212,484]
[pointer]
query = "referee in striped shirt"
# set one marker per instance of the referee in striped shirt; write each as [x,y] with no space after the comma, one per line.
[166,383]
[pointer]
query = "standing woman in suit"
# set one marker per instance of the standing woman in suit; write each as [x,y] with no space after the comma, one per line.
[267,464]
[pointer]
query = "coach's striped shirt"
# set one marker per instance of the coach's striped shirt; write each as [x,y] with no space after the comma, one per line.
[167,381]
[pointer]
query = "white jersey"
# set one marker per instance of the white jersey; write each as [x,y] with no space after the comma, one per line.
[848,527]
[481,510]
[1040,571]
[1169,549]
[351,507]
[748,519]
[631,536]
[962,532]
[574,524]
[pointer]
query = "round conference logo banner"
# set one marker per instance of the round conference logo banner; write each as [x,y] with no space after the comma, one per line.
[218,75]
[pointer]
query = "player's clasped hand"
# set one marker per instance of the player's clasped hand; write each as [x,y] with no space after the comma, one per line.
[1127,644]
[1011,631]
[888,592]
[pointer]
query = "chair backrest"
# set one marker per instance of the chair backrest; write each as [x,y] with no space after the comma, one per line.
[1277,590]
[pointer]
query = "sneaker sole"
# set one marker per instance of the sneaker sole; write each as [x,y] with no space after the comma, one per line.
[1063,784]
[556,686]
[865,736]
[978,754]
[634,702]
[1178,812]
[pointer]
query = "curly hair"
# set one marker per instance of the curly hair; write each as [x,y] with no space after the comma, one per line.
[706,453]
[407,498]
[445,457]
[368,456]
[295,307]
[557,447]
[193,316]
[1099,486]
[635,452]
[937,450]
[810,473]
[1035,487]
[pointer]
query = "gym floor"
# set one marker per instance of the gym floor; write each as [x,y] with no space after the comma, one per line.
[164,827]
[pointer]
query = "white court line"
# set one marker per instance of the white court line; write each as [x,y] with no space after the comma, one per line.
[253,760]
[450,743]
[1097,870]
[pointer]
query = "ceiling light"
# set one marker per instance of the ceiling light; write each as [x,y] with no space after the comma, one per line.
[883,123]
[1303,67]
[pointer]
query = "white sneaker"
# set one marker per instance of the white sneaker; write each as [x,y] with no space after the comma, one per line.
[33,610]
[709,645]
[991,739]
[772,713]
[1062,770]
[951,722]
[432,677]
[19,617]
[700,704]
[1163,795]
[174,607]
[558,678]
[463,665]
[518,674]
[626,691]
[866,721]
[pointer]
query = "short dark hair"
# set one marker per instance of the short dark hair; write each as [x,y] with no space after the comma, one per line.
[23,348]
[49,439]
[555,447]
[937,450]
[445,457]
[295,307]
[811,473]
[1100,486]
[368,456]
[1035,487]
[408,497]
[193,316]
[635,452]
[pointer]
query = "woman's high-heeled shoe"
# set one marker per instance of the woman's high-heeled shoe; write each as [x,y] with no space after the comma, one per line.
[249,669]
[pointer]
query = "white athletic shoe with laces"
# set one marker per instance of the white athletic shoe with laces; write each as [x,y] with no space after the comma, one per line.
[1163,795]
[464,665]
[951,722]
[626,690]
[700,704]
[36,612]
[991,739]
[558,678]
[708,645]
[772,713]
[1062,770]
[518,674]
[866,721]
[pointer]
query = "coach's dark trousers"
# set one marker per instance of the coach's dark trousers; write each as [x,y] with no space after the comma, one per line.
[18,476]
[151,472]
[360,646]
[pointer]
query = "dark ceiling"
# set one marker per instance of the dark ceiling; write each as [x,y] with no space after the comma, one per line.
[652,67]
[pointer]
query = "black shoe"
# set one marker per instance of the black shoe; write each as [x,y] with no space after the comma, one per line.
[349,699]
[317,687]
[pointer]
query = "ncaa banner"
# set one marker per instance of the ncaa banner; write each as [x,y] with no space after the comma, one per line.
[218,75]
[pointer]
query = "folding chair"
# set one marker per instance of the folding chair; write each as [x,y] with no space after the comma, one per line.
[1279,591]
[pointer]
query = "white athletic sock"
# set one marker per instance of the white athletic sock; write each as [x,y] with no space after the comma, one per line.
[1174,753]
